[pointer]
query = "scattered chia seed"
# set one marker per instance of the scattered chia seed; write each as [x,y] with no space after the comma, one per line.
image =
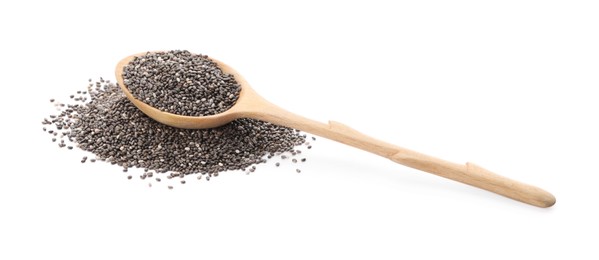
[103,122]
[303,159]
[298,170]
[182,83]
[117,132]
[129,177]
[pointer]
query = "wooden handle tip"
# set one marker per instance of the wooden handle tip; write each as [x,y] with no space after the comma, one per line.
[546,201]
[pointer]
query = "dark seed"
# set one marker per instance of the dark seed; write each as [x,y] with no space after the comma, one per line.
[113,130]
[182,83]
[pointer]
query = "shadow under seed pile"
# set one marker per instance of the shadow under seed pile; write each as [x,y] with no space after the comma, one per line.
[115,131]
[182,83]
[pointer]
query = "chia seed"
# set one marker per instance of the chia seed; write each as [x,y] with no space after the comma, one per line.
[115,131]
[103,121]
[182,83]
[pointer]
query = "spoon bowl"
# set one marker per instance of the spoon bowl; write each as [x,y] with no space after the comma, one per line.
[246,95]
[251,105]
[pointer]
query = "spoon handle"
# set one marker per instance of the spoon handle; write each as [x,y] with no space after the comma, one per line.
[468,173]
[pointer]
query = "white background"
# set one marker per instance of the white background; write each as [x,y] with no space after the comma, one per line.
[509,85]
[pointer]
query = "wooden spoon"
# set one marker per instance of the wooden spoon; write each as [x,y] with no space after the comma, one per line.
[252,105]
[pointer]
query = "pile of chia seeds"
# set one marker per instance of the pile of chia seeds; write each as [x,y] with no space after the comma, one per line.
[180,82]
[103,122]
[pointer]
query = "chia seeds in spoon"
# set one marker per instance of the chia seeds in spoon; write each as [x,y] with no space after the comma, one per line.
[180,82]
